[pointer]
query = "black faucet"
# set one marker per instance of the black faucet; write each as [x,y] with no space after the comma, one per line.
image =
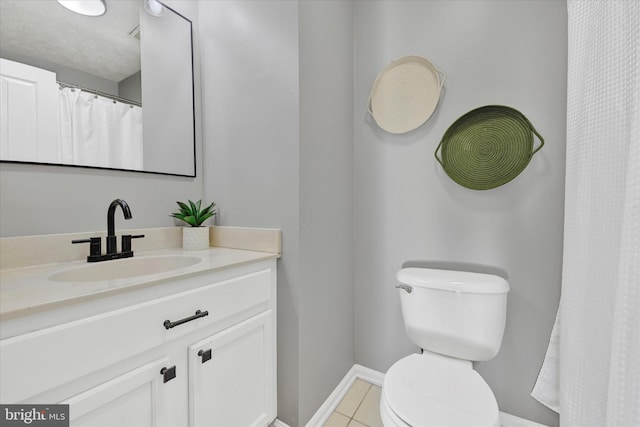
[111,225]
[95,249]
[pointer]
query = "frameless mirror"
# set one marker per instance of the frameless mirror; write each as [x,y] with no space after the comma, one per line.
[113,91]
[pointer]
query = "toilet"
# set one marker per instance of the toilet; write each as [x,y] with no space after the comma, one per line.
[455,317]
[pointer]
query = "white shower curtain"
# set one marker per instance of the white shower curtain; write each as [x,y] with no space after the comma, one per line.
[591,373]
[96,131]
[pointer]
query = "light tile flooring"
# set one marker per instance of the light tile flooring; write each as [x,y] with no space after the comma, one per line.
[360,407]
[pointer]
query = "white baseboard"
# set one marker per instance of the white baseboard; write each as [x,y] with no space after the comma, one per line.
[278,423]
[357,371]
[377,378]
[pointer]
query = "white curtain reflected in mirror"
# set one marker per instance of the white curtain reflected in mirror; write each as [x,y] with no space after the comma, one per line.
[94,130]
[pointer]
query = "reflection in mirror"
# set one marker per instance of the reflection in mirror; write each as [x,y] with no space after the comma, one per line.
[114,91]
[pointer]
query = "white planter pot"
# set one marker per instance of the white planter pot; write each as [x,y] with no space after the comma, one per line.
[195,238]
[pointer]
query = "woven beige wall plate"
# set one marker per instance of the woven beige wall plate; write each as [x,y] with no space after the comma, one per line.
[405,94]
[487,147]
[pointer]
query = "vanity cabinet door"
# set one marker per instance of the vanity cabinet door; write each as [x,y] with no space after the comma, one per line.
[135,398]
[232,376]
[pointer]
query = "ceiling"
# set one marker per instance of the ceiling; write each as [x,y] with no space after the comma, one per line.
[45,30]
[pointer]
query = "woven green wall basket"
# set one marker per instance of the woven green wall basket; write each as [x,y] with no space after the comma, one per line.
[487,147]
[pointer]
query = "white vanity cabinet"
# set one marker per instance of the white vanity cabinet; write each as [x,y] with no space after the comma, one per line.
[115,367]
[230,376]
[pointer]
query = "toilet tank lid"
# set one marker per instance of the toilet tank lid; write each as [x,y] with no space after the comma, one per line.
[450,280]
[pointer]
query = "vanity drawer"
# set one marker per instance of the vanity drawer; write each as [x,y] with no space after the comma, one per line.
[61,354]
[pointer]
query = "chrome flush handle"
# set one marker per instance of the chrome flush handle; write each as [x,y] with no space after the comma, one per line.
[407,288]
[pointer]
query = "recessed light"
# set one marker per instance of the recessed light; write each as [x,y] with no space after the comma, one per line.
[154,7]
[85,7]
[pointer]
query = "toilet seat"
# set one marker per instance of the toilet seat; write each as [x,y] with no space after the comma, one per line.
[389,419]
[430,389]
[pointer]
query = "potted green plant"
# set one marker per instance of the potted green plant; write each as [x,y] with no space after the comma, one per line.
[195,236]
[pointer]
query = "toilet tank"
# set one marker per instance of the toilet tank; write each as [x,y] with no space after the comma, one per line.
[455,313]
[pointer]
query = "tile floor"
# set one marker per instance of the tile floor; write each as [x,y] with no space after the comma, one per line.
[360,407]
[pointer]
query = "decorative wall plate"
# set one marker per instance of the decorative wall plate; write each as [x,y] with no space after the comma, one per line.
[405,94]
[487,147]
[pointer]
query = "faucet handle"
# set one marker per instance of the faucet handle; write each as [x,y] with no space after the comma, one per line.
[126,241]
[95,245]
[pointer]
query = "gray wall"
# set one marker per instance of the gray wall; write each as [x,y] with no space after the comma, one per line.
[168,126]
[407,209]
[39,199]
[326,199]
[278,96]
[131,87]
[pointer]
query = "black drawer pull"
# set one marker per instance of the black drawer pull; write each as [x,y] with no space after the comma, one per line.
[168,373]
[205,355]
[168,324]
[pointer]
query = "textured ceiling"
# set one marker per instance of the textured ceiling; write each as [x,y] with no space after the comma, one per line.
[100,45]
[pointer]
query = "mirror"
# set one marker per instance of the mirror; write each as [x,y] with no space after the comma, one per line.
[113,91]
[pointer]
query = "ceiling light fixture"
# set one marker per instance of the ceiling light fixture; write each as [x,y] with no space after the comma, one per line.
[154,7]
[85,7]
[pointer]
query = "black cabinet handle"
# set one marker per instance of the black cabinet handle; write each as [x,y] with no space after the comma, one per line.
[205,355]
[168,373]
[168,324]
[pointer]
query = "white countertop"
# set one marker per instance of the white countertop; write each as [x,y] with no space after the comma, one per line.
[29,289]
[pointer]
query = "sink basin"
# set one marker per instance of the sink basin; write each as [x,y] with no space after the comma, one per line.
[124,268]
